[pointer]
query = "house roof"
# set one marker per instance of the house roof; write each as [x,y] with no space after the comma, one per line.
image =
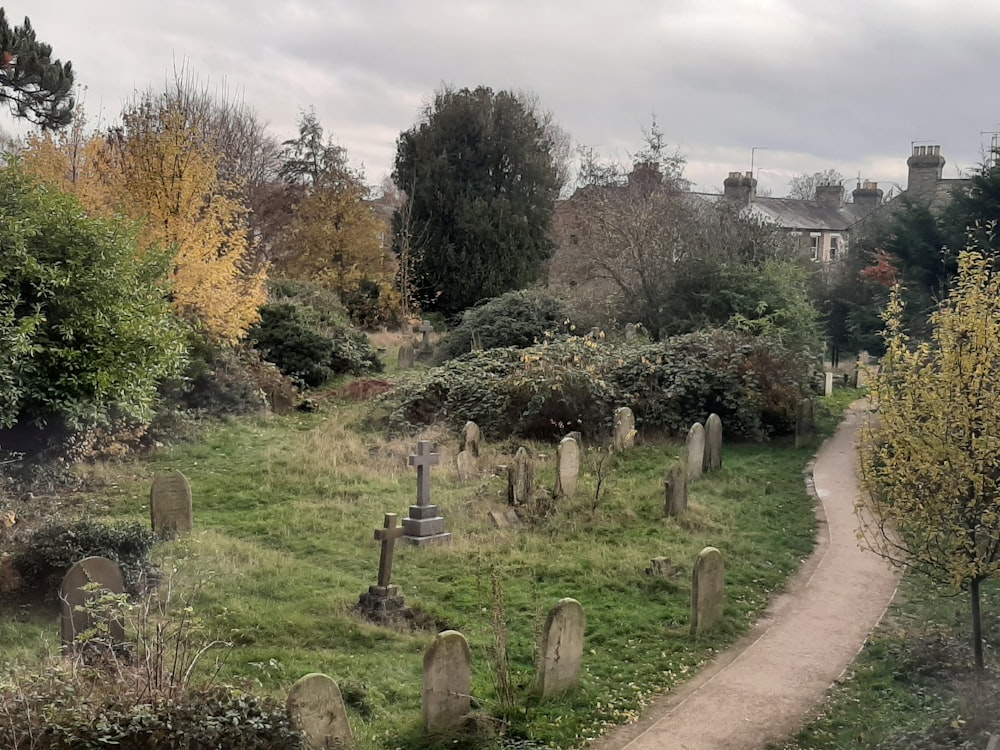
[793,213]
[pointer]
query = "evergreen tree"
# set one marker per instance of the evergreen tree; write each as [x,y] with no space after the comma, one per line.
[36,87]
[481,185]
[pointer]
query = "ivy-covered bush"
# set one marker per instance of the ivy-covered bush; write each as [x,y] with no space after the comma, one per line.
[517,319]
[308,346]
[43,558]
[575,384]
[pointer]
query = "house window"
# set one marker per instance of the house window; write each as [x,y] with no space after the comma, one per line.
[814,244]
[834,246]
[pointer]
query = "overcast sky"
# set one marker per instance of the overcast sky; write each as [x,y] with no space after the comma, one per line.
[812,84]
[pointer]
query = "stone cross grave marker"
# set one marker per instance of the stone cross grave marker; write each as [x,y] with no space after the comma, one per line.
[467,468]
[170,507]
[426,329]
[805,423]
[708,590]
[520,479]
[560,652]
[447,681]
[676,489]
[316,708]
[384,601]
[471,438]
[424,523]
[695,446]
[405,357]
[567,467]
[624,432]
[713,443]
[72,596]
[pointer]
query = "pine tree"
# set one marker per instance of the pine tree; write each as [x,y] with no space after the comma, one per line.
[35,86]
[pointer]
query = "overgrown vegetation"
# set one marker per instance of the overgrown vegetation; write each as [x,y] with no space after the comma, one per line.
[517,319]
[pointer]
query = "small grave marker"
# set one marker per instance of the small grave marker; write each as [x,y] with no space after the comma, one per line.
[713,443]
[560,652]
[708,590]
[72,596]
[426,329]
[467,468]
[520,479]
[447,681]
[316,708]
[424,524]
[170,508]
[695,446]
[471,438]
[504,519]
[676,490]
[406,357]
[624,433]
[567,467]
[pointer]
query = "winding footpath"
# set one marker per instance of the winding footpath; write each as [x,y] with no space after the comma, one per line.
[764,688]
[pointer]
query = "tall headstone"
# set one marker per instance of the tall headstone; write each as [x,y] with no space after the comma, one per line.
[695,448]
[447,681]
[170,506]
[676,489]
[520,479]
[827,383]
[467,467]
[560,652]
[708,590]
[805,423]
[406,357]
[73,596]
[316,708]
[623,437]
[424,523]
[567,467]
[713,443]
[861,370]
[472,436]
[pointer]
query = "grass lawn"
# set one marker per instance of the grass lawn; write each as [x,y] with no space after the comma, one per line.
[285,509]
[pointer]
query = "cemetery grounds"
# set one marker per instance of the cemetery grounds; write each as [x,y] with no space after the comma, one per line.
[285,509]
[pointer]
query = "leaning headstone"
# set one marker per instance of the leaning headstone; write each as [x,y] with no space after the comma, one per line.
[695,449]
[170,507]
[406,357]
[623,437]
[827,383]
[447,681]
[520,479]
[713,443]
[560,652]
[316,708]
[424,524]
[471,438]
[567,467]
[467,468]
[73,597]
[805,423]
[676,490]
[504,519]
[708,590]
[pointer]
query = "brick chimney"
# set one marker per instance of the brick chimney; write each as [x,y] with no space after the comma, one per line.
[830,195]
[740,187]
[867,195]
[925,165]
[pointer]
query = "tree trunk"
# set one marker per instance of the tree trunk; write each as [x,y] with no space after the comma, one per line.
[977,624]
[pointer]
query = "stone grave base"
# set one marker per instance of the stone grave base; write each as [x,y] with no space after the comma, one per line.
[383,605]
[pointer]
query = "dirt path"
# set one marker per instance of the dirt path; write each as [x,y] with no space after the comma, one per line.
[762,689]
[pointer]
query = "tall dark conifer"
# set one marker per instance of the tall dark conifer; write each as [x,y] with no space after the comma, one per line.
[36,87]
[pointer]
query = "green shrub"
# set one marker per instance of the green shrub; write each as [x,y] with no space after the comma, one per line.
[43,558]
[518,319]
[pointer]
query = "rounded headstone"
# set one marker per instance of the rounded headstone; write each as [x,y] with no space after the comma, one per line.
[447,681]
[713,443]
[316,708]
[467,468]
[708,590]
[170,508]
[695,450]
[471,438]
[567,467]
[72,595]
[520,478]
[561,649]
[624,429]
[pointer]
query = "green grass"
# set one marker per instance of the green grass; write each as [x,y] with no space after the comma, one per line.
[285,508]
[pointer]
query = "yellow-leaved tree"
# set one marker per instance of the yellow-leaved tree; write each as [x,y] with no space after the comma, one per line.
[931,457]
[160,168]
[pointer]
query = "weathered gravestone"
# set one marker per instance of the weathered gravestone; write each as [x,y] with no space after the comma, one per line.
[447,681]
[75,595]
[708,590]
[520,479]
[695,448]
[805,423]
[316,708]
[170,506]
[560,652]
[861,370]
[623,437]
[676,490]
[467,467]
[827,383]
[406,357]
[567,467]
[383,602]
[472,436]
[630,331]
[713,443]
[426,329]
[578,437]
[504,519]
[424,524]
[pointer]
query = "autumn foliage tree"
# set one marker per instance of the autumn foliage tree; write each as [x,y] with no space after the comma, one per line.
[931,459]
